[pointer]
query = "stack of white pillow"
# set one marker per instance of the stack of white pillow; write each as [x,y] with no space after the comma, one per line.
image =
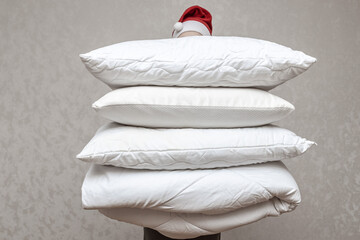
[190,124]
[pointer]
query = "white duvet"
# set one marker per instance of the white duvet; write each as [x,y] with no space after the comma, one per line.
[190,203]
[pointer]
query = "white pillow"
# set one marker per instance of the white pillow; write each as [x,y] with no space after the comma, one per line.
[175,107]
[147,148]
[197,61]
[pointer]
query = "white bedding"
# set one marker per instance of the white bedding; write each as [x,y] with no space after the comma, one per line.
[197,61]
[188,148]
[191,225]
[179,107]
[190,203]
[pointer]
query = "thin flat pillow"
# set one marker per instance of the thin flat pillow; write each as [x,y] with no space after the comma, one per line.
[189,203]
[180,107]
[188,148]
[198,61]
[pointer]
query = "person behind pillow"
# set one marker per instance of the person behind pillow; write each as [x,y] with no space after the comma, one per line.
[195,21]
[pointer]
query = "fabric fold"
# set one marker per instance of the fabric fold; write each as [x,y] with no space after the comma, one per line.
[192,225]
[206,191]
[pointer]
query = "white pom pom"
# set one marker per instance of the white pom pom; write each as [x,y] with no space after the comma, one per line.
[178,26]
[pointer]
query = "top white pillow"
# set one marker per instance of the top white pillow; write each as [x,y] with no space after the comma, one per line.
[199,61]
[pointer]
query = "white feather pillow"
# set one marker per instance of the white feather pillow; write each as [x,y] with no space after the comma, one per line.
[179,107]
[197,61]
[147,148]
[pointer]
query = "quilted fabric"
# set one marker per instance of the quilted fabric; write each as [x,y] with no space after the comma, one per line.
[235,196]
[207,191]
[197,61]
[192,225]
[179,107]
[150,148]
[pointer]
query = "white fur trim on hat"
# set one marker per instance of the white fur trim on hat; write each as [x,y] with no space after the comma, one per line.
[191,26]
[178,26]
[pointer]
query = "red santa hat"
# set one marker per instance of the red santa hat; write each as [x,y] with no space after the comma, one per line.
[195,19]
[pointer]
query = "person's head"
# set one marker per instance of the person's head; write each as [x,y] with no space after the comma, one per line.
[195,21]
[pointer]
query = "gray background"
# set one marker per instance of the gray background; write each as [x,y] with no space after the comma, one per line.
[46,118]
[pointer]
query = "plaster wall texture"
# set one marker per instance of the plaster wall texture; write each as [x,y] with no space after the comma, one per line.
[46,116]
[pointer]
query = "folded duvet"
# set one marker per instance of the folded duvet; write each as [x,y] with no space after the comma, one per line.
[190,203]
[191,225]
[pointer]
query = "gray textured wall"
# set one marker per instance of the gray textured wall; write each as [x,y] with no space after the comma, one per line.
[46,118]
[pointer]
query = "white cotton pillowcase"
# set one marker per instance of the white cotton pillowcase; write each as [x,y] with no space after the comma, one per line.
[188,148]
[199,61]
[182,107]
